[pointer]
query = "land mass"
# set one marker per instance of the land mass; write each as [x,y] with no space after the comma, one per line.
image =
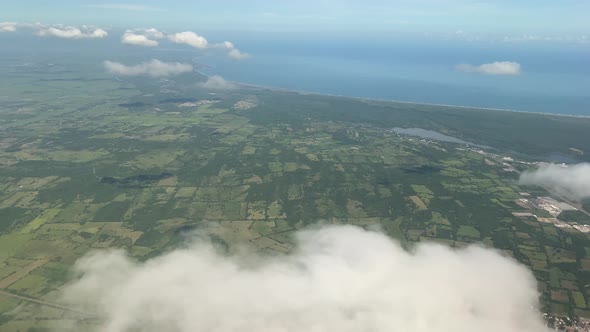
[135,163]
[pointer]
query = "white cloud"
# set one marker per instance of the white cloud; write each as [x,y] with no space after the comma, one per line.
[189,38]
[216,82]
[7,26]
[56,30]
[142,37]
[153,68]
[71,32]
[494,68]
[236,54]
[153,33]
[232,51]
[337,279]
[228,45]
[122,6]
[572,182]
[141,40]
[150,37]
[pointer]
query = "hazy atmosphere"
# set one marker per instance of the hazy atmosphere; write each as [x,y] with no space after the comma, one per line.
[374,49]
[411,165]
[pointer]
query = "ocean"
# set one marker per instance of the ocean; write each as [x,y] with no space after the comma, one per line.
[555,77]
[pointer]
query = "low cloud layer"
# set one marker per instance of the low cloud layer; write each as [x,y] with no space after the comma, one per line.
[153,68]
[189,38]
[56,30]
[237,54]
[72,32]
[494,68]
[572,182]
[233,52]
[142,37]
[217,82]
[138,37]
[337,279]
[7,26]
[151,37]
[135,39]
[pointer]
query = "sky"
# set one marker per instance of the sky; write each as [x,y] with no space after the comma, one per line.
[497,17]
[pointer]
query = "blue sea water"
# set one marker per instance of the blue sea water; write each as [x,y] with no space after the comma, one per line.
[555,77]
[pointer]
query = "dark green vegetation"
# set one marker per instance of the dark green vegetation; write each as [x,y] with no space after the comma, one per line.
[136,180]
[576,216]
[525,133]
[137,163]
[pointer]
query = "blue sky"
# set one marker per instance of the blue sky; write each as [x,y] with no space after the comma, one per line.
[498,17]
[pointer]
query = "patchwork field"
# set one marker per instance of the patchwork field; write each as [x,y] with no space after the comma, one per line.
[141,169]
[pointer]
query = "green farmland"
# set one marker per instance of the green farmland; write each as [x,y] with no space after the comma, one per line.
[140,169]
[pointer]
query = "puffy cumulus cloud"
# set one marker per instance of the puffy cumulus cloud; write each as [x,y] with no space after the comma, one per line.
[494,68]
[153,33]
[192,39]
[153,68]
[7,26]
[336,279]
[151,37]
[217,82]
[228,45]
[142,37]
[71,32]
[572,182]
[135,39]
[237,54]
[56,30]
[232,51]
[189,38]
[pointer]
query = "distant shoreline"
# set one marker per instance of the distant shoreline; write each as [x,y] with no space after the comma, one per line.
[302,92]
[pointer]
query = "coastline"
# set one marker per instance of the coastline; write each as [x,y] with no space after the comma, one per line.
[302,92]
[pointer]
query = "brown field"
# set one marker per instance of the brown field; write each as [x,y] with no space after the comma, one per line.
[560,296]
[16,276]
[419,202]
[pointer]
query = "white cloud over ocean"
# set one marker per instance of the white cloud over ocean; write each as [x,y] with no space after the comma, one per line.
[189,38]
[494,68]
[136,39]
[337,279]
[56,30]
[237,54]
[142,37]
[7,26]
[153,68]
[72,32]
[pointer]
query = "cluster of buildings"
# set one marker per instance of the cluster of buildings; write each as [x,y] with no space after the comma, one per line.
[567,324]
[552,206]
